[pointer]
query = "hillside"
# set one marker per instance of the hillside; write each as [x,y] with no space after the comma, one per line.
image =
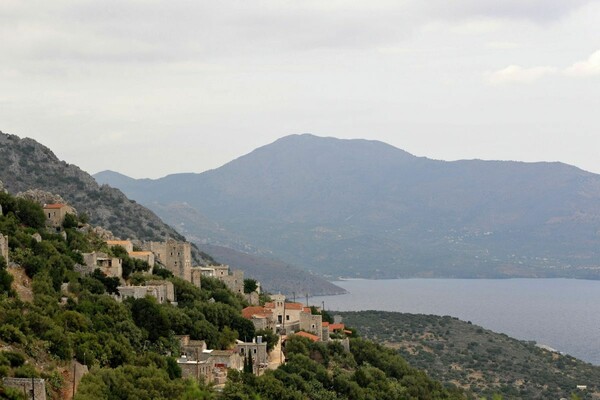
[363,208]
[26,164]
[87,340]
[477,359]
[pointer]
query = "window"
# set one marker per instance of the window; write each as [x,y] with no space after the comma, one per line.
[287,317]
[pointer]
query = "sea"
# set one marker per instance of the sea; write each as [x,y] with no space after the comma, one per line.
[563,314]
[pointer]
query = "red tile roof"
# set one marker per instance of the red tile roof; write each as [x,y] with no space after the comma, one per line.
[249,312]
[310,336]
[325,324]
[336,327]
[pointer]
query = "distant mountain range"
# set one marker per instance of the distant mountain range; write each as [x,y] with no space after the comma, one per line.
[359,208]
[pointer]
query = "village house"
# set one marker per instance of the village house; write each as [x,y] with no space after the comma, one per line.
[162,291]
[55,214]
[284,317]
[110,266]
[234,280]
[126,244]
[261,317]
[191,348]
[146,255]
[258,349]
[201,371]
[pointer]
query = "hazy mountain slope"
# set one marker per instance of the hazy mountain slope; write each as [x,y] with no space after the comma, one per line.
[27,164]
[274,275]
[364,208]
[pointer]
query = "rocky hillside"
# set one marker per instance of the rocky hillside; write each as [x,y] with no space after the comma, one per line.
[476,359]
[26,164]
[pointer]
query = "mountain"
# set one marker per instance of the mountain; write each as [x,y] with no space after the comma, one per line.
[362,208]
[26,164]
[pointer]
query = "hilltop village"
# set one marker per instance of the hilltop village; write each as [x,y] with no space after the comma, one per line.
[131,267]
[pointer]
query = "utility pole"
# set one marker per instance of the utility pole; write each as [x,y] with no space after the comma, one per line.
[74,372]
[306,299]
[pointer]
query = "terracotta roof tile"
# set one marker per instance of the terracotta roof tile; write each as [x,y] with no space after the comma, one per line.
[310,336]
[336,327]
[249,312]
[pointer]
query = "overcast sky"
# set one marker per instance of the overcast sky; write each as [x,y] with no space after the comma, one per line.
[149,88]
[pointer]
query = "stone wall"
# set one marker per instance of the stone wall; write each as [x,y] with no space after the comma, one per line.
[25,385]
[312,323]
[4,247]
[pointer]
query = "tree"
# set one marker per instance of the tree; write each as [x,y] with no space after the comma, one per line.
[268,337]
[250,285]
[6,278]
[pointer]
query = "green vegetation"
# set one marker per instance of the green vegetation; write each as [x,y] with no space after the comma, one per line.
[128,346]
[326,371]
[480,361]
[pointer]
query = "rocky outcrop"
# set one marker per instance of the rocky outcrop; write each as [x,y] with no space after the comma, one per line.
[41,196]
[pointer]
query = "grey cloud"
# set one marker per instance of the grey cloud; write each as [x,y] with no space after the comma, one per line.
[532,10]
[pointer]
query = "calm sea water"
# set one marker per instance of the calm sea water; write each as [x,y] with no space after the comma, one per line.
[561,313]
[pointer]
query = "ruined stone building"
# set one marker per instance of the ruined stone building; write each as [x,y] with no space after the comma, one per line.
[234,280]
[162,291]
[110,266]
[55,214]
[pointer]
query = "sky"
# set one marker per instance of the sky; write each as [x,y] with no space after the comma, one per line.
[150,88]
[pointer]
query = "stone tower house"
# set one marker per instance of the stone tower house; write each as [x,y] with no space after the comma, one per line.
[175,256]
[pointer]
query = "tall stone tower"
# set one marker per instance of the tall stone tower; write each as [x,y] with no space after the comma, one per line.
[175,256]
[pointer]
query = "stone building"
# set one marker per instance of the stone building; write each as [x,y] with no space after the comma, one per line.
[191,348]
[162,291]
[110,266]
[175,256]
[258,349]
[146,256]
[201,371]
[4,247]
[196,276]
[126,244]
[285,317]
[34,388]
[55,214]
[234,280]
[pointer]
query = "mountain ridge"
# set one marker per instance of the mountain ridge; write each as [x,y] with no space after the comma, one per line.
[357,208]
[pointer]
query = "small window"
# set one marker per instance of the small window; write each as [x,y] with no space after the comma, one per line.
[287,317]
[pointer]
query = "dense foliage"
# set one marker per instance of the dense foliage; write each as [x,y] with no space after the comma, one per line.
[325,371]
[51,315]
[482,362]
